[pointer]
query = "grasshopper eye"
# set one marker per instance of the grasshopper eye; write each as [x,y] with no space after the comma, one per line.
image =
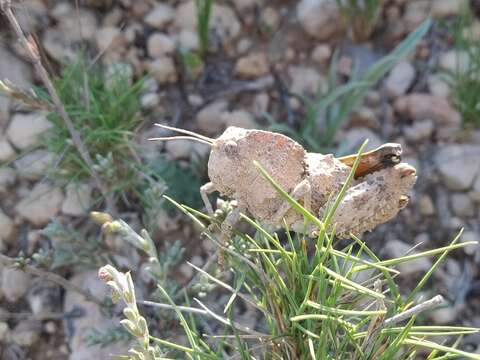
[395,159]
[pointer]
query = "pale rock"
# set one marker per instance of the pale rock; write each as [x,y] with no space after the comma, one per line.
[34,165]
[24,335]
[160,16]
[467,236]
[444,8]
[160,45]
[163,70]
[458,165]
[14,69]
[260,104]
[6,150]
[32,20]
[400,79]
[179,149]
[238,118]
[59,45]
[426,206]
[18,73]
[243,45]
[321,54]
[15,284]
[438,86]
[320,19]
[419,107]
[4,332]
[462,205]
[25,129]
[209,119]
[199,151]
[7,229]
[455,61]
[149,100]
[7,178]
[415,13]
[222,19]
[443,315]
[270,17]
[355,137]
[118,73]
[187,40]
[419,130]
[305,80]
[195,100]
[252,66]
[113,18]
[84,27]
[243,5]
[78,199]
[109,38]
[40,205]
[364,116]
[475,193]
[396,248]
[92,318]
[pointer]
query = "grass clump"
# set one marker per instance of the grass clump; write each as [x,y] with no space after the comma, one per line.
[104,108]
[310,298]
[464,80]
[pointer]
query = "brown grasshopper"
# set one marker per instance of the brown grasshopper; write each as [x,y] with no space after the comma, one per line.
[377,194]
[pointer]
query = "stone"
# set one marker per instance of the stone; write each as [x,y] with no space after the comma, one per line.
[25,129]
[160,16]
[243,5]
[34,165]
[109,38]
[426,206]
[419,106]
[59,45]
[444,8]
[6,150]
[15,284]
[321,54]
[462,205]
[364,116]
[24,335]
[83,28]
[474,194]
[270,18]
[149,100]
[419,130]
[305,80]
[252,66]
[438,86]
[320,19]
[7,229]
[458,165]
[163,70]
[238,118]
[455,61]
[222,20]
[4,332]
[78,199]
[7,178]
[415,13]
[40,205]
[443,315]
[355,137]
[397,248]
[209,119]
[160,45]
[179,149]
[470,235]
[187,40]
[92,318]
[400,79]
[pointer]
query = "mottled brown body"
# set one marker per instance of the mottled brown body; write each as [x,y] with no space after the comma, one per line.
[377,194]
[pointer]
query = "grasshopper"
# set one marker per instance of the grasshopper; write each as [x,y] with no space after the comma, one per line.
[378,192]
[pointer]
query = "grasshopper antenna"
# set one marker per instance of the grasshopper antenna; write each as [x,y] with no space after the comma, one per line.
[191,135]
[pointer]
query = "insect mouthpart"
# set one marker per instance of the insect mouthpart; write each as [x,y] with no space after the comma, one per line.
[391,159]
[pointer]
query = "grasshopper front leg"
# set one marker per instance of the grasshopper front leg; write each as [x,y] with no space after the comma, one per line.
[302,190]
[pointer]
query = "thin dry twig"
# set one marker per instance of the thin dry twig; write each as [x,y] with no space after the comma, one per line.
[32,50]
[50,276]
[417,309]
